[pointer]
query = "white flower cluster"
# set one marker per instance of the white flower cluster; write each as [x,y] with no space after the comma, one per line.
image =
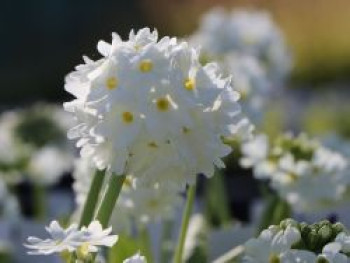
[135,204]
[303,172]
[295,244]
[33,144]
[149,109]
[248,45]
[245,32]
[82,241]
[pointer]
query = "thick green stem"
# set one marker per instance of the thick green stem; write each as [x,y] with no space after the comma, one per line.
[109,200]
[191,193]
[92,198]
[39,193]
[167,247]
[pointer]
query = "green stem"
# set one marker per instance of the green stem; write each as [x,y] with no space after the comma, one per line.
[167,241]
[191,193]
[109,200]
[145,244]
[39,193]
[92,198]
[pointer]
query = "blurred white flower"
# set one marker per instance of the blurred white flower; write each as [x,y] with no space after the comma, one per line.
[245,32]
[137,258]
[48,164]
[302,171]
[250,80]
[83,241]
[270,245]
[147,99]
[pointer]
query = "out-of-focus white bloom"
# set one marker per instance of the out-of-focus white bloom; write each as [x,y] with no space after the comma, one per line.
[135,259]
[302,171]
[312,184]
[84,241]
[250,80]
[270,244]
[245,32]
[331,252]
[34,144]
[147,99]
[61,240]
[197,230]
[48,164]
[255,154]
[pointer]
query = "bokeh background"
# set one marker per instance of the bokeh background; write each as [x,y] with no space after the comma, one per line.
[42,40]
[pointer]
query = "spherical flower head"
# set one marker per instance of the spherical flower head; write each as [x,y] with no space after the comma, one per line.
[148,98]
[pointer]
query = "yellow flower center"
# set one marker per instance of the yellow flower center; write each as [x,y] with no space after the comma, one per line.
[127,117]
[189,84]
[83,251]
[146,65]
[152,145]
[111,83]
[274,258]
[127,182]
[163,104]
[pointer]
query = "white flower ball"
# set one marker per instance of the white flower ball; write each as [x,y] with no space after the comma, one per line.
[148,108]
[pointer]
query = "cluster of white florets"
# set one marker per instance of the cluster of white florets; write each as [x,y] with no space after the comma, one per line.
[303,172]
[34,145]
[149,109]
[245,32]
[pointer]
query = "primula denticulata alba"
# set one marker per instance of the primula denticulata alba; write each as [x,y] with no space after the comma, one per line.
[149,109]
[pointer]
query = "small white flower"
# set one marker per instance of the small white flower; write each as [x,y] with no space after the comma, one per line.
[61,240]
[84,241]
[95,236]
[271,244]
[331,252]
[137,258]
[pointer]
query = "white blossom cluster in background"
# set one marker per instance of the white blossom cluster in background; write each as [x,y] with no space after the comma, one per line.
[306,174]
[149,109]
[135,204]
[249,46]
[34,145]
[299,242]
